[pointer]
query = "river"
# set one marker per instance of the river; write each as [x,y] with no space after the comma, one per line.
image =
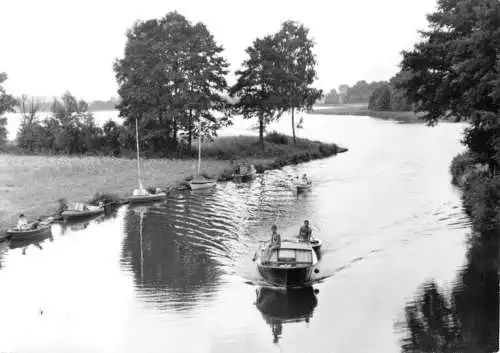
[400,271]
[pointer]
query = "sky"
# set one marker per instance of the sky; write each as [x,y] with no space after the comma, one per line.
[50,46]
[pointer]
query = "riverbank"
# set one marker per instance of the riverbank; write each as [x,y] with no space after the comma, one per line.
[33,184]
[480,191]
[362,110]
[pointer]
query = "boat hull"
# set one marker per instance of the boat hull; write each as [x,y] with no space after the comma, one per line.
[285,276]
[304,187]
[14,234]
[146,198]
[242,178]
[71,215]
[202,184]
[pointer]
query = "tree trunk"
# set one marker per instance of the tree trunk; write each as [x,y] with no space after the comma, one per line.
[261,131]
[190,132]
[293,126]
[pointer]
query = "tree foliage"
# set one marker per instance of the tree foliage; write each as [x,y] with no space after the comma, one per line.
[7,104]
[454,70]
[172,75]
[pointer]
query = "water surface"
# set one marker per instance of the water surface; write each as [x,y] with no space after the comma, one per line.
[178,276]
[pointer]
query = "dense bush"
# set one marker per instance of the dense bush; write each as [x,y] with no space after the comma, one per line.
[461,164]
[277,138]
[481,200]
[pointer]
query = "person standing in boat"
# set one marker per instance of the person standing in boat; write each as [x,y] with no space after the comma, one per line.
[305,232]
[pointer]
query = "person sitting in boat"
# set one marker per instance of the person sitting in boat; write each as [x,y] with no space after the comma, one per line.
[35,224]
[305,232]
[305,179]
[22,222]
[275,237]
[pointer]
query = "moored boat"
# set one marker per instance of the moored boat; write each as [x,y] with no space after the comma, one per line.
[41,230]
[244,172]
[289,265]
[141,195]
[144,196]
[199,181]
[304,186]
[78,211]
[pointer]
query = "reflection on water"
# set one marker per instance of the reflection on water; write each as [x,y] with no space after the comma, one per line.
[283,307]
[465,319]
[174,273]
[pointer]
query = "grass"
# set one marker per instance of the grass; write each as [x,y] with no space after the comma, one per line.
[33,185]
[362,110]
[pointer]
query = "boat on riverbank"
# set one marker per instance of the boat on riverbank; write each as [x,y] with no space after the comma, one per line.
[289,265]
[80,211]
[141,195]
[244,172]
[199,181]
[43,229]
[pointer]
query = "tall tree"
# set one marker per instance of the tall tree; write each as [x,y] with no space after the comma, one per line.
[455,70]
[296,74]
[7,104]
[255,86]
[170,71]
[27,136]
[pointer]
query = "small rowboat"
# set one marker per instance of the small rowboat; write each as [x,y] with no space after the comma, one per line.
[79,211]
[20,234]
[245,173]
[146,197]
[200,182]
[304,186]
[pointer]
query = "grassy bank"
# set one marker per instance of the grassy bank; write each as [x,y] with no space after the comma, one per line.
[33,184]
[362,110]
[481,193]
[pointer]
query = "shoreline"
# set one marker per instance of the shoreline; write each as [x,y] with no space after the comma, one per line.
[33,184]
[362,110]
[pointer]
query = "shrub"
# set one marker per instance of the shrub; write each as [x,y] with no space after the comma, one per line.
[277,138]
[460,164]
[481,200]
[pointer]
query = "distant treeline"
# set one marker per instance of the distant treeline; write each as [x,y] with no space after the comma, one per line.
[45,105]
[380,95]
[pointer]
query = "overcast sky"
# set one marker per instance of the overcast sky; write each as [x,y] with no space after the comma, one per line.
[49,46]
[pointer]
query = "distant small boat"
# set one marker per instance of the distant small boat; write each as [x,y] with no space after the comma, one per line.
[78,211]
[199,181]
[141,195]
[27,234]
[304,186]
[244,172]
[289,265]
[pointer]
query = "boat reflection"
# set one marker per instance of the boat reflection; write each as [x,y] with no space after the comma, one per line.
[282,307]
[168,251]
[34,241]
[465,319]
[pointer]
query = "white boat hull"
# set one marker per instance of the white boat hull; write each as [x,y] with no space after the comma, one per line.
[197,185]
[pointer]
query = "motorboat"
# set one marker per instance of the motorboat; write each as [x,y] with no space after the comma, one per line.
[288,265]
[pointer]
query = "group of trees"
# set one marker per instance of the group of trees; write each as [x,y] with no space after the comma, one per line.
[69,128]
[390,96]
[359,93]
[455,71]
[172,81]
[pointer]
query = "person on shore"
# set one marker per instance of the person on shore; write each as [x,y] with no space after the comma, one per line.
[22,222]
[305,232]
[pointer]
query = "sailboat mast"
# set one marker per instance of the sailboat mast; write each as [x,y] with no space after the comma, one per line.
[199,149]
[138,162]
